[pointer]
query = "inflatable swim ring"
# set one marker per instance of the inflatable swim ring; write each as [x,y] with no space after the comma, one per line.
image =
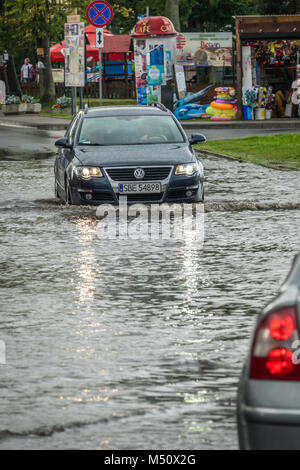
[218,105]
[222,89]
[225,100]
[221,112]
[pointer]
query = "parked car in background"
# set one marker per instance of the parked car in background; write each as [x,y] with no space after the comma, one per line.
[141,152]
[269,391]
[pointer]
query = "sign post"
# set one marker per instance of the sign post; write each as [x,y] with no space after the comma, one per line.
[74,59]
[100,14]
[100,44]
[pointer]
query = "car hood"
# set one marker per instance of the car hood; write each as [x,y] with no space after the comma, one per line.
[165,154]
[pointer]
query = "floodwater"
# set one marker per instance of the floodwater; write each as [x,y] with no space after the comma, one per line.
[130,344]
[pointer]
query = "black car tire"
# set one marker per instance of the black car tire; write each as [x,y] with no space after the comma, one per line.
[68,195]
[56,194]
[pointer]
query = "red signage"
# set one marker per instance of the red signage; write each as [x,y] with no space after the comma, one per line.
[99,13]
[154,25]
[180,41]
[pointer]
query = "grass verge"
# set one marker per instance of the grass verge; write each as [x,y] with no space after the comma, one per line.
[281,151]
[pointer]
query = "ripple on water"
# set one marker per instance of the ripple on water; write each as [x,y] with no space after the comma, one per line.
[111,342]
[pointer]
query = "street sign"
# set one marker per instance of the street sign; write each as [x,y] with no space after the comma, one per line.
[99,13]
[100,38]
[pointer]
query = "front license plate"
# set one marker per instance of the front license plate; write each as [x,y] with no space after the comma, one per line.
[133,188]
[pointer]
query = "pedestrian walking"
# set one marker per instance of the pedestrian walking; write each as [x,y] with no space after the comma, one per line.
[27,71]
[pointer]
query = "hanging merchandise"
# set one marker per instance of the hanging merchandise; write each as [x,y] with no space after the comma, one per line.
[278,53]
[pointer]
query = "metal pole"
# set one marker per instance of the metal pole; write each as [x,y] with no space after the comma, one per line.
[81,97]
[100,77]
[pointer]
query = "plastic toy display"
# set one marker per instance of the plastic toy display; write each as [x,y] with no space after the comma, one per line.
[224,107]
[189,107]
[259,98]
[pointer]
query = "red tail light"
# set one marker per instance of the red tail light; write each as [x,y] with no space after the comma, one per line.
[272,355]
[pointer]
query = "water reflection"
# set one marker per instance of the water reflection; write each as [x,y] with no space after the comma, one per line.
[89,263]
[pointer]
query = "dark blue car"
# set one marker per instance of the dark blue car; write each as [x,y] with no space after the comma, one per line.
[139,152]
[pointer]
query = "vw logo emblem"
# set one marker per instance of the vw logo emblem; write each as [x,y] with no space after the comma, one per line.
[139,173]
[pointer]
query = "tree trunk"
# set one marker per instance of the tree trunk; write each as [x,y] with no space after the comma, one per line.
[13,82]
[46,84]
[9,76]
[172,12]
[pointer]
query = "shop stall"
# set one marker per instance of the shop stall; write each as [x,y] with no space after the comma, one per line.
[155,55]
[268,66]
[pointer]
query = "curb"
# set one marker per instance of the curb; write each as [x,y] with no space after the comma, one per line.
[207,153]
[268,124]
[192,125]
[31,125]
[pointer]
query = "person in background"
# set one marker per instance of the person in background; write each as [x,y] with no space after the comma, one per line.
[27,72]
[40,65]
[295,87]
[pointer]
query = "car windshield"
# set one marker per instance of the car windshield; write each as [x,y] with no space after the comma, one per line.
[129,130]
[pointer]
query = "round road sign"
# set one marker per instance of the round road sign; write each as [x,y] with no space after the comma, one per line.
[99,13]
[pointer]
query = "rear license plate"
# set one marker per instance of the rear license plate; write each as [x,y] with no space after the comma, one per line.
[133,188]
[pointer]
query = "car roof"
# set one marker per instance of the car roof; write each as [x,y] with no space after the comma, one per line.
[125,111]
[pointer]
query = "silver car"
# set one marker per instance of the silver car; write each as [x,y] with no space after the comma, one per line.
[268,409]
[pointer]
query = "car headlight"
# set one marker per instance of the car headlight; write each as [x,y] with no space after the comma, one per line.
[187,169]
[87,172]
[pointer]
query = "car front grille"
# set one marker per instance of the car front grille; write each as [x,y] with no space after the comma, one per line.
[127,174]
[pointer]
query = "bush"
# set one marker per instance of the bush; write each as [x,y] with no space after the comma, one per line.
[12,99]
[64,102]
[27,99]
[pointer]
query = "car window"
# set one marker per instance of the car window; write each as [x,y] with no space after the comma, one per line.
[128,130]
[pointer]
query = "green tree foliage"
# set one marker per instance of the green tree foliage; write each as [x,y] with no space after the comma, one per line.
[172,12]
[215,15]
[285,7]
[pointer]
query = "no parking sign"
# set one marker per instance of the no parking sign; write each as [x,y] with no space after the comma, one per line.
[99,13]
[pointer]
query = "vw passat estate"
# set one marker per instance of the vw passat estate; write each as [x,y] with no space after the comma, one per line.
[139,152]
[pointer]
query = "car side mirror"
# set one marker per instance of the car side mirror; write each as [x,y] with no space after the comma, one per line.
[63,142]
[197,139]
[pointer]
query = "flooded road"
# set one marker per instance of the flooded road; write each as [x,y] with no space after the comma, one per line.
[129,344]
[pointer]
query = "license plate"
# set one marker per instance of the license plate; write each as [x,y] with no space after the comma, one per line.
[133,188]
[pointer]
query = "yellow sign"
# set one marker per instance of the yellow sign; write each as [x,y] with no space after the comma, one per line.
[73,19]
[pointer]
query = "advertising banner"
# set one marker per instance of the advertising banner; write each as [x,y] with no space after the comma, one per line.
[74,55]
[58,75]
[204,49]
[154,58]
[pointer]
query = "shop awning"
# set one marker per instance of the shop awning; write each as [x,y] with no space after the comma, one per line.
[92,52]
[269,27]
